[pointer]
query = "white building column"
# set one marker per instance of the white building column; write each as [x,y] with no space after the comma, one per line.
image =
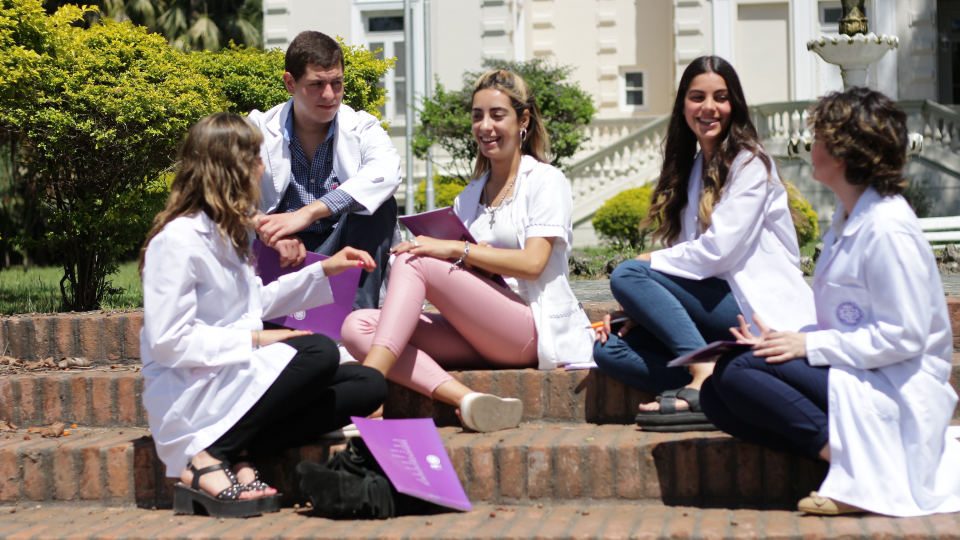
[724,19]
[885,22]
[805,22]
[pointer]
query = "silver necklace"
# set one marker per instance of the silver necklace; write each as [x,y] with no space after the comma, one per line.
[493,215]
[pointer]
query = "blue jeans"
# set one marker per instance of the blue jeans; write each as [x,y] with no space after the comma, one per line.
[781,406]
[675,316]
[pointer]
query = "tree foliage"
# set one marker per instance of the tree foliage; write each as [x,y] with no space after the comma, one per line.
[619,218]
[807,228]
[445,117]
[446,189]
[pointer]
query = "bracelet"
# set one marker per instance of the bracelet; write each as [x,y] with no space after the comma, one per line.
[466,249]
[258,340]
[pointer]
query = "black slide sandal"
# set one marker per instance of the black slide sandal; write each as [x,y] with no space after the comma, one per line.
[192,500]
[671,419]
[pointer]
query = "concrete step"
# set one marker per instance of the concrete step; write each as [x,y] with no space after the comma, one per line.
[536,462]
[485,522]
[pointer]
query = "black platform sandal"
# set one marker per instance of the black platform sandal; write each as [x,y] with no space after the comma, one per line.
[192,500]
[270,503]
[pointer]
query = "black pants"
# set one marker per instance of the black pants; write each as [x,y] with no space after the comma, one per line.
[313,395]
[373,234]
[780,406]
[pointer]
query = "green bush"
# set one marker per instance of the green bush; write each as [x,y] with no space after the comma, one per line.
[102,119]
[805,231]
[445,188]
[565,107]
[618,220]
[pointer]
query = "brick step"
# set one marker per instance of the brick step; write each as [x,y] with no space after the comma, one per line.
[534,463]
[485,522]
[114,338]
[103,397]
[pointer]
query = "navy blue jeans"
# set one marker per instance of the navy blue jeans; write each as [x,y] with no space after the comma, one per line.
[675,316]
[780,406]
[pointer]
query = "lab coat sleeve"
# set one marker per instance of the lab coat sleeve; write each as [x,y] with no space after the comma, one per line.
[305,289]
[735,223]
[900,322]
[379,175]
[550,207]
[176,337]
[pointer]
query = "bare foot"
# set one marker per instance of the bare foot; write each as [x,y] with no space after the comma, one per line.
[213,482]
[654,406]
[377,413]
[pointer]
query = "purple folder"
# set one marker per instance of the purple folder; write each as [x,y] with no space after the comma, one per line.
[710,353]
[414,459]
[326,319]
[443,224]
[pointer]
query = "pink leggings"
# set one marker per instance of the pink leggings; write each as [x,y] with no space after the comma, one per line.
[481,325]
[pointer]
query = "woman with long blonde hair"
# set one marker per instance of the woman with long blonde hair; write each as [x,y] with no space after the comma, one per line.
[519,209]
[731,248]
[220,390]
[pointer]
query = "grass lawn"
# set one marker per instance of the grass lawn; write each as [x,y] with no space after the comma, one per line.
[37,290]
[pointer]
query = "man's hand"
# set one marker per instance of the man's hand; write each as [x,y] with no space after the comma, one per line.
[292,251]
[607,328]
[348,257]
[275,226]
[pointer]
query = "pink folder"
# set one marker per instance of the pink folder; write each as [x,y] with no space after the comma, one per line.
[442,224]
[710,353]
[413,457]
[326,319]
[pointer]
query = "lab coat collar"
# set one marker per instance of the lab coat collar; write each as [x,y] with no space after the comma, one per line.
[861,210]
[346,120]
[208,231]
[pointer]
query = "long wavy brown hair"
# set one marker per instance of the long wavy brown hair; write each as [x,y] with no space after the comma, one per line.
[680,152]
[219,162]
[537,142]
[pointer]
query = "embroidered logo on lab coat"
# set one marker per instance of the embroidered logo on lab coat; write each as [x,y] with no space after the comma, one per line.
[849,313]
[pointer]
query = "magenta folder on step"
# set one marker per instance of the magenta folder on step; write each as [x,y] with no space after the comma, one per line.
[710,353]
[442,224]
[326,319]
[414,459]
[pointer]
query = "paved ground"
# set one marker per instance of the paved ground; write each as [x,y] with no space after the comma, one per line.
[624,521]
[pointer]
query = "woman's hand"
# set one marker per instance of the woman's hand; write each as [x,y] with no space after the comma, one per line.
[348,257]
[269,337]
[430,247]
[604,331]
[777,347]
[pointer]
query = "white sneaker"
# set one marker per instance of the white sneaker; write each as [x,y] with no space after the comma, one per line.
[347,431]
[345,357]
[485,412]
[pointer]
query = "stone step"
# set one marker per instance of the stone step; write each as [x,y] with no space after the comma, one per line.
[114,338]
[484,522]
[533,463]
[104,397]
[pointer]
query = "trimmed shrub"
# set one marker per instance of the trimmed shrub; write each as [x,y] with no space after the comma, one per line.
[619,218]
[810,230]
[446,189]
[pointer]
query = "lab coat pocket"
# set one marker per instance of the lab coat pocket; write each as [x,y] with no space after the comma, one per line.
[565,326]
[844,307]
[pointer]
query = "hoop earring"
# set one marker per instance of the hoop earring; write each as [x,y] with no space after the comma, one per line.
[523,135]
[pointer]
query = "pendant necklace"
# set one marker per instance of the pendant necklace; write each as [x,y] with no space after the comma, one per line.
[493,214]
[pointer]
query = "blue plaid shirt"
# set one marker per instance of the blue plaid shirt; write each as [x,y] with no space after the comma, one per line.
[315,180]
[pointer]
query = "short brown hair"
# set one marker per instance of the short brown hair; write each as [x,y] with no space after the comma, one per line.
[868,131]
[312,47]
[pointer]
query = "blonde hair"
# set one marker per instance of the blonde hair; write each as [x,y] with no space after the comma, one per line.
[537,142]
[219,162]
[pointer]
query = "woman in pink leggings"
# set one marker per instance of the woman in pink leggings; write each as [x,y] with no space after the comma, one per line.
[518,208]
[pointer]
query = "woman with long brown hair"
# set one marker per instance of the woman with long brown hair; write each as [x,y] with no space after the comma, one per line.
[519,209]
[219,389]
[722,214]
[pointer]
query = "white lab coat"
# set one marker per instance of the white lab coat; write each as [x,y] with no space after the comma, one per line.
[543,207]
[201,373]
[365,160]
[885,333]
[751,243]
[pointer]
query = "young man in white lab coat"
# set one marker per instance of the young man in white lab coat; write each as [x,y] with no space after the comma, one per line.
[331,172]
[867,390]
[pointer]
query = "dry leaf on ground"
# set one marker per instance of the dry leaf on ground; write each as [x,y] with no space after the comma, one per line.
[55,430]
[7,426]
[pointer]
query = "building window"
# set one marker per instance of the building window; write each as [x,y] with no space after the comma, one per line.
[830,15]
[633,90]
[383,34]
[385,24]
